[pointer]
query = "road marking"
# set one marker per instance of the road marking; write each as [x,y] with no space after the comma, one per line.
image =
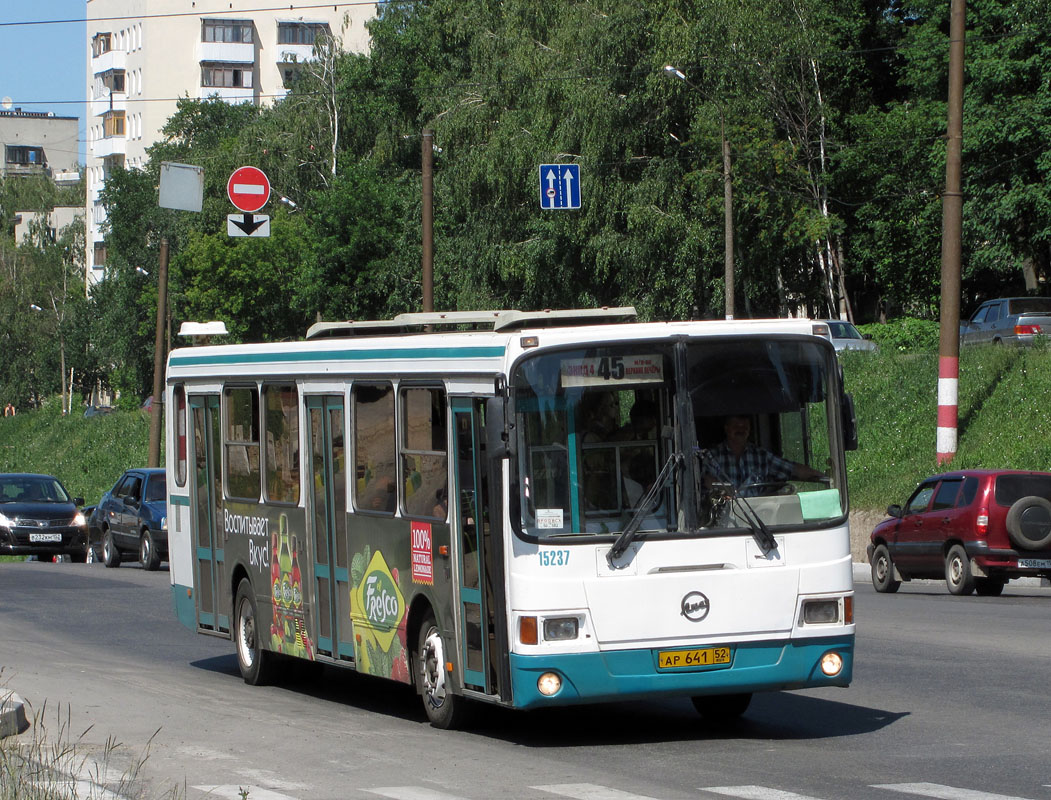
[589,791]
[755,793]
[238,791]
[943,792]
[412,793]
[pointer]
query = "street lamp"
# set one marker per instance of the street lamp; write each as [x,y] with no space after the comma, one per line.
[141,271]
[35,307]
[728,198]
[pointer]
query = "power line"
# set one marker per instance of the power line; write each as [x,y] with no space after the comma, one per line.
[228,11]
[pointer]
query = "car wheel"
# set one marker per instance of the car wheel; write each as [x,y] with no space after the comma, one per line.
[722,707]
[258,666]
[148,555]
[958,575]
[110,553]
[883,571]
[989,587]
[444,709]
[1029,523]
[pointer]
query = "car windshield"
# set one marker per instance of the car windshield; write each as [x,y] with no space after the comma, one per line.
[31,489]
[156,489]
[843,330]
[1031,305]
[618,435]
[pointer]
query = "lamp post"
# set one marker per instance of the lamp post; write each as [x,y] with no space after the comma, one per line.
[61,349]
[728,200]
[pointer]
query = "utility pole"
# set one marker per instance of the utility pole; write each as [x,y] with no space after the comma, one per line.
[157,403]
[427,158]
[952,226]
[728,200]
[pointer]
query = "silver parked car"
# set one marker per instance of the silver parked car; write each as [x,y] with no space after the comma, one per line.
[846,337]
[1008,320]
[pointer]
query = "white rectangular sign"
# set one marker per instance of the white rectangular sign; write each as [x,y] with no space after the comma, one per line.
[247,225]
[606,370]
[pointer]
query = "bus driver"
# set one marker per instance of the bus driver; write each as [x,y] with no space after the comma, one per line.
[749,468]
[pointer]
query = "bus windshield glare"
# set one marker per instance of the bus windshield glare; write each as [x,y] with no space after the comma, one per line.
[699,437]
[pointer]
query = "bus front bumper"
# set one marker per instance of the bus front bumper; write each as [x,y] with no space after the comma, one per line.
[618,675]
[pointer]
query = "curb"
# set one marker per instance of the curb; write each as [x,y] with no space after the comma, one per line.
[12,715]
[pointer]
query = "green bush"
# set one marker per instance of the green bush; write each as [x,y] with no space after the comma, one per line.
[906,335]
[87,454]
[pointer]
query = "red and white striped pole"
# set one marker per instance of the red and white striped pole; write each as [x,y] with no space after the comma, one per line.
[952,235]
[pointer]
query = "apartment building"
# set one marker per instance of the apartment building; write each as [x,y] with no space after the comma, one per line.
[38,143]
[143,55]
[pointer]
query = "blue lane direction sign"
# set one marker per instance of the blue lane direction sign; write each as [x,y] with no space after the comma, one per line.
[560,186]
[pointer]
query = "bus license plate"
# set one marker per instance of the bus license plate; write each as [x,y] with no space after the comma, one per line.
[707,657]
[45,537]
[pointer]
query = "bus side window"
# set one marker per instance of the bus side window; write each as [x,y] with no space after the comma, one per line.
[281,421]
[375,484]
[423,451]
[243,475]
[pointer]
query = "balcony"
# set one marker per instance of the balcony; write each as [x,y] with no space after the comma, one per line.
[228,52]
[113,101]
[110,60]
[298,53]
[229,94]
[109,146]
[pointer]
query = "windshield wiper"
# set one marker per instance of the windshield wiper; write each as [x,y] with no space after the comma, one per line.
[627,536]
[745,512]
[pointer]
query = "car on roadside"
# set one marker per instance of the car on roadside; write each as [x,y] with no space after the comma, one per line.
[977,529]
[845,336]
[131,520]
[1008,320]
[39,518]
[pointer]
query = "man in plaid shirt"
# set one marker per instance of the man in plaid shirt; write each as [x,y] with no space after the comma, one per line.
[739,462]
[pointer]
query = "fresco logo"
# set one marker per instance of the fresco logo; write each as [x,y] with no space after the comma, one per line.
[380,601]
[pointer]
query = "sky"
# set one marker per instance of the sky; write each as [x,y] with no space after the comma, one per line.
[43,66]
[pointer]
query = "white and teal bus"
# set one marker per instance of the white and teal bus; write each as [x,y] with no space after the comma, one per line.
[520,508]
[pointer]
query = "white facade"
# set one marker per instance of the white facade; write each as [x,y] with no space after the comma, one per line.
[143,55]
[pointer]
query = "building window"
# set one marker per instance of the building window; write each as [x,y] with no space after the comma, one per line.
[100,44]
[300,32]
[100,254]
[113,124]
[113,80]
[23,156]
[226,75]
[238,31]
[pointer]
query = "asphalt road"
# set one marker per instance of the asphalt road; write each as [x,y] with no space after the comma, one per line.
[949,700]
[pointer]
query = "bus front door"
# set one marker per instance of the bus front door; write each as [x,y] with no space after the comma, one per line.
[212,602]
[328,488]
[471,515]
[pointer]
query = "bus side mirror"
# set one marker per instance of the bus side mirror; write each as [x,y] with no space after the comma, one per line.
[850,422]
[498,438]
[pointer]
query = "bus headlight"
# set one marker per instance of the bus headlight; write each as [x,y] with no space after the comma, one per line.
[560,628]
[820,612]
[549,683]
[831,664]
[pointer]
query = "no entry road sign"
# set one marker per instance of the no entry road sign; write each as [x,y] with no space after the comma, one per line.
[248,189]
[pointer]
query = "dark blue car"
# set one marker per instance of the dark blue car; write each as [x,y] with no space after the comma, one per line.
[131,520]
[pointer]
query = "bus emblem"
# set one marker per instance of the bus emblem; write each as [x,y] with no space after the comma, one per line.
[695,606]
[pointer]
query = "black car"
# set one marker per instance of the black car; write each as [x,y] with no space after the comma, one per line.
[131,520]
[38,517]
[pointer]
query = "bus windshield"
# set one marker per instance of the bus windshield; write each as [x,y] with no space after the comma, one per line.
[699,437]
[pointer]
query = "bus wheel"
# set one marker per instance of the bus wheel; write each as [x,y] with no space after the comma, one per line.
[444,709]
[722,707]
[257,665]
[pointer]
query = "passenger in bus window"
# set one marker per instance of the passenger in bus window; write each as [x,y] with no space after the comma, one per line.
[642,422]
[441,508]
[751,469]
[381,495]
[600,412]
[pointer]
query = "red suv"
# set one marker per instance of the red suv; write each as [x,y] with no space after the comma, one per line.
[978,528]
